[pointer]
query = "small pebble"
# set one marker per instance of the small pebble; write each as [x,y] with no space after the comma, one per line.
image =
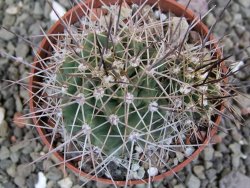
[41,181]
[2,114]
[12,10]
[65,183]
[152,171]
[59,9]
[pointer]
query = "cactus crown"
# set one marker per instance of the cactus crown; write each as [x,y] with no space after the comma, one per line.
[130,86]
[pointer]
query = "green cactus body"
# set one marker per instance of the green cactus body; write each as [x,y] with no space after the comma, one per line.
[129,87]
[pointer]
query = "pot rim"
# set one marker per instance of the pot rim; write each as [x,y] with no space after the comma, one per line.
[172,6]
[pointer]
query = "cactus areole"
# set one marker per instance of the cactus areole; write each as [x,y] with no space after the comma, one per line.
[124,91]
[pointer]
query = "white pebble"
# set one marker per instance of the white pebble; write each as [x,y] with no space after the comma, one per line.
[189,151]
[60,10]
[2,114]
[152,171]
[163,17]
[65,183]
[157,14]
[12,10]
[41,181]
[135,167]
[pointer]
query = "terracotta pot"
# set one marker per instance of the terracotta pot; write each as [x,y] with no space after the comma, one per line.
[72,16]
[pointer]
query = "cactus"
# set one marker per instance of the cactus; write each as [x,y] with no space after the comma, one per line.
[127,88]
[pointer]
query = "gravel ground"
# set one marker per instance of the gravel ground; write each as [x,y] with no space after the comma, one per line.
[215,167]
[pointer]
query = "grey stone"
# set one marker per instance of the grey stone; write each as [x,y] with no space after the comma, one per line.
[2,115]
[245,12]
[22,50]
[18,132]
[4,153]
[101,185]
[235,148]
[227,16]
[10,102]
[47,164]
[200,7]
[235,160]
[65,3]
[245,3]
[9,2]
[9,184]
[35,29]
[246,149]
[218,154]
[234,180]
[220,28]
[19,181]
[211,174]
[228,44]
[65,183]
[19,105]
[235,8]
[1,4]
[76,186]
[12,10]
[240,29]
[208,153]
[11,170]
[210,20]
[199,171]
[179,186]
[23,17]
[208,164]
[50,184]
[15,157]
[9,20]
[29,149]
[47,10]
[192,181]
[24,170]
[16,147]
[54,174]
[34,156]
[237,136]
[237,19]
[5,164]
[4,129]
[11,48]
[38,10]
[31,181]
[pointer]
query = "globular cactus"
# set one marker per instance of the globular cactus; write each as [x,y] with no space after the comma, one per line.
[130,88]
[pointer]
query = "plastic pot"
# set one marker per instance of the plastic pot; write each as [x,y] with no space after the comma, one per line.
[72,16]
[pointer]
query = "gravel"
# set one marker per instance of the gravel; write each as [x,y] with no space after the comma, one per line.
[192,181]
[208,153]
[2,114]
[199,171]
[234,179]
[4,153]
[65,183]
[215,167]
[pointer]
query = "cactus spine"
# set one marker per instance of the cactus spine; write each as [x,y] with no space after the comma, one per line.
[128,87]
